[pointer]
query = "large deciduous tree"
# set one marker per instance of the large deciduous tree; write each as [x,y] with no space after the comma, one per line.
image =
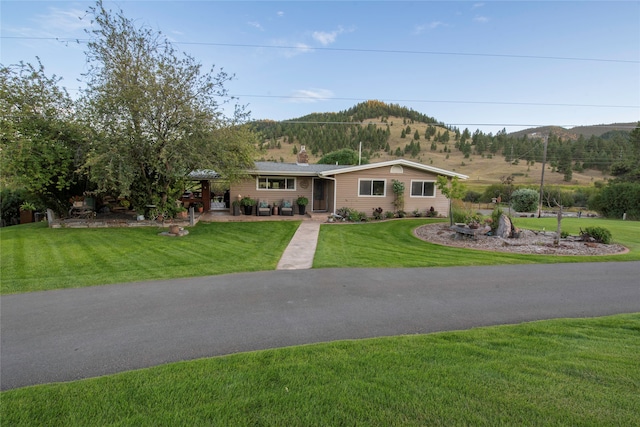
[157,116]
[41,146]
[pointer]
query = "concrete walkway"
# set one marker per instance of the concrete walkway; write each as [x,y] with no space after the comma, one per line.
[302,247]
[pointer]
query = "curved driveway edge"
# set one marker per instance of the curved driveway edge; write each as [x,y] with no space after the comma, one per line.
[70,334]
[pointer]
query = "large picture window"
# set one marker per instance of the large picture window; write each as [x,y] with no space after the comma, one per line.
[276,183]
[372,187]
[423,189]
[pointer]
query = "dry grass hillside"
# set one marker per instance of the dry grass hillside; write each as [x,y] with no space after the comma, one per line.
[481,170]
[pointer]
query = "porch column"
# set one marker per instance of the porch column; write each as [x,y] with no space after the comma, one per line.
[206,195]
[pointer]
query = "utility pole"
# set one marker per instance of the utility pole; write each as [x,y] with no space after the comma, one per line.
[544,161]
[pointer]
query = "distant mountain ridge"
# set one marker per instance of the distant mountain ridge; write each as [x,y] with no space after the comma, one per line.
[574,133]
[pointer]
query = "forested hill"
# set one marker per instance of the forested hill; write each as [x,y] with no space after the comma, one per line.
[321,133]
[389,131]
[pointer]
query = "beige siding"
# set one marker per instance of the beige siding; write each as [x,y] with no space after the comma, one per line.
[248,188]
[347,186]
[346,189]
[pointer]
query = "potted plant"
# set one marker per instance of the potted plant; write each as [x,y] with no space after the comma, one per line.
[26,212]
[181,212]
[276,207]
[248,204]
[302,204]
[236,207]
[198,206]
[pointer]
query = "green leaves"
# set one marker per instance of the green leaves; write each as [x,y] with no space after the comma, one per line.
[157,115]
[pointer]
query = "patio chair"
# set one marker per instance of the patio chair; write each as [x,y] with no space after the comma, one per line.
[263,208]
[286,208]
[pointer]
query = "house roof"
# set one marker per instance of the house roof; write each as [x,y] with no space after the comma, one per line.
[203,174]
[398,162]
[295,169]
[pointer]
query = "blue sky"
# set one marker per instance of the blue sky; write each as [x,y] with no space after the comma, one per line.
[487,65]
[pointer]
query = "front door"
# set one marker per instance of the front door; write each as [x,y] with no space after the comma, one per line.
[320,195]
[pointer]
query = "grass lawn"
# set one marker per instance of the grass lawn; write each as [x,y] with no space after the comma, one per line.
[560,372]
[392,244]
[34,257]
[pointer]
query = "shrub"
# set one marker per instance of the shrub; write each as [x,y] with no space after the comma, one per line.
[10,205]
[389,214]
[599,234]
[459,215]
[472,196]
[377,213]
[554,195]
[495,218]
[524,200]
[617,199]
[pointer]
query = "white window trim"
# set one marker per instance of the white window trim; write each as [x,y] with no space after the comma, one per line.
[421,196]
[295,183]
[372,179]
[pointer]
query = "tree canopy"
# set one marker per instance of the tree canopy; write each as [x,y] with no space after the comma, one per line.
[41,144]
[345,156]
[156,115]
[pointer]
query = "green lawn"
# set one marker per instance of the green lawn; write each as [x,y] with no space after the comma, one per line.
[34,257]
[392,244]
[559,372]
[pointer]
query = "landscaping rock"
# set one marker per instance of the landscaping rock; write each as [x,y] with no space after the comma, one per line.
[504,227]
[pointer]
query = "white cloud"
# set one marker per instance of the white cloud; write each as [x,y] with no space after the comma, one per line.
[308,96]
[481,19]
[326,38]
[59,20]
[255,25]
[419,29]
[280,13]
[477,5]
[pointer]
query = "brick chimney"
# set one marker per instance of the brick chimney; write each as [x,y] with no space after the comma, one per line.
[303,157]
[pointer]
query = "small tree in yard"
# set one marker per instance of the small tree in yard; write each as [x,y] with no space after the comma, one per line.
[451,189]
[556,240]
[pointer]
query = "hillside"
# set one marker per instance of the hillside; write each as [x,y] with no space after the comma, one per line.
[389,131]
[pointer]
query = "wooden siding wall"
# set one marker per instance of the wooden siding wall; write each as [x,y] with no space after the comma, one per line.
[347,189]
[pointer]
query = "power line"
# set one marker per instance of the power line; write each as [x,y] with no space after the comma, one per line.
[436,101]
[362,50]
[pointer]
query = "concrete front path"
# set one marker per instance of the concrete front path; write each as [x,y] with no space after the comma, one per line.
[302,247]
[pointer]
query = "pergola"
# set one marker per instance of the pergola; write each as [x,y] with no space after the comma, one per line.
[205,177]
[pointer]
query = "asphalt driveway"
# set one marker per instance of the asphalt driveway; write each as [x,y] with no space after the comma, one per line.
[70,334]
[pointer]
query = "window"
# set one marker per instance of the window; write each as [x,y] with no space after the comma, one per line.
[276,183]
[371,187]
[423,189]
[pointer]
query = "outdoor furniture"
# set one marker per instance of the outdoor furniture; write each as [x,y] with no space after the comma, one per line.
[286,208]
[263,208]
[82,212]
